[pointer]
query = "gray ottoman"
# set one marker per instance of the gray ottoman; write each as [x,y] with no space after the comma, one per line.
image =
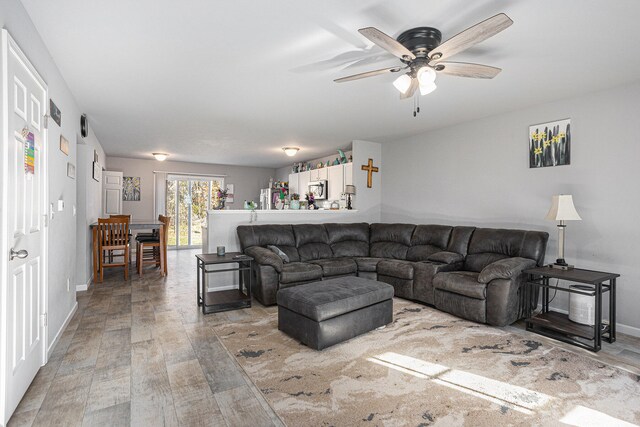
[325,313]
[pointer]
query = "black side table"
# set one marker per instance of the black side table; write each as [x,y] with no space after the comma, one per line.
[558,325]
[216,301]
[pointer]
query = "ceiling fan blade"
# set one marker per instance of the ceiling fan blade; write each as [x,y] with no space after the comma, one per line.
[412,89]
[368,74]
[466,69]
[471,36]
[386,42]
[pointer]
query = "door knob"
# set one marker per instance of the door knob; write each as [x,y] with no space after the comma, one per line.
[20,254]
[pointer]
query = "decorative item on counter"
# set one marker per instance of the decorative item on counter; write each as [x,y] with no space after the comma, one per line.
[311,201]
[335,205]
[222,198]
[349,190]
[343,158]
[328,164]
[220,250]
[336,162]
[350,158]
[295,201]
[230,192]
[320,165]
[249,205]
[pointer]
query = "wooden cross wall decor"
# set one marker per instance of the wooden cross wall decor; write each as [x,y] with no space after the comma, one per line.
[370,170]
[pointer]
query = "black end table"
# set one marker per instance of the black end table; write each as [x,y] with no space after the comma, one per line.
[558,325]
[231,299]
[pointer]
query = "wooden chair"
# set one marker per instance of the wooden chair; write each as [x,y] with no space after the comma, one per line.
[128,218]
[149,251]
[113,235]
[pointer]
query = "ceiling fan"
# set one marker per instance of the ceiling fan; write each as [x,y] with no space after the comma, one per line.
[423,55]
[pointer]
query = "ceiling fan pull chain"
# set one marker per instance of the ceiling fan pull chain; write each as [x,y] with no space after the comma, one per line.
[418,105]
[414,106]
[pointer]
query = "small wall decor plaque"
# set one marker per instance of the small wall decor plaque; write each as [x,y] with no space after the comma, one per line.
[64,145]
[29,153]
[97,171]
[71,170]
[550,144]
[55,112]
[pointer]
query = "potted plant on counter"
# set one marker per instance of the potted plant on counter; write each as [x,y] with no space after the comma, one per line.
[295,201]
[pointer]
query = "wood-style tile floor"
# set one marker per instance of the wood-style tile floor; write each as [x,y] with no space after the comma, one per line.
[141,353]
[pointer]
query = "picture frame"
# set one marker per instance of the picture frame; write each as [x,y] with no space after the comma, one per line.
[71,170]
[230,189]
[97,171]
[55,113]
[64,145]
[550,144]
[131,189]
[95,156]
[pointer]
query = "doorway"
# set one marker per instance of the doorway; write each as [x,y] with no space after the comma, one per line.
[188,200]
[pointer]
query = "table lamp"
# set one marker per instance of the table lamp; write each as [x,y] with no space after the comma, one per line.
[562,210]
[349,190]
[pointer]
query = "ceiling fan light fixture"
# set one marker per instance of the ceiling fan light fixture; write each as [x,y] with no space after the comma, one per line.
[403,83]
[290,151]
[427,88]
[426,75]
[161,157]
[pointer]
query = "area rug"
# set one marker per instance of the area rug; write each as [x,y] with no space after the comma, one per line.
[430,368]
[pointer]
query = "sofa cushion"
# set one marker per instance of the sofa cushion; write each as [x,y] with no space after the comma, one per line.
[332,298]
[427,240]
[367,263]
[390,240]
[264,256]
[459,240]
[488,245]
[336,266]
[300,272]
[508,268]
[446,257]
[396,268]
[461,283]
[348,240]
[312,241]
[269,234]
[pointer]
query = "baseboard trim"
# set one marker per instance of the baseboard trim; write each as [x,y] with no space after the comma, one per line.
[84,286]
[55,340]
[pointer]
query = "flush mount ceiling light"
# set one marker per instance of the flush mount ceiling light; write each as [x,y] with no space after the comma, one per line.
[161,157]
[290,151]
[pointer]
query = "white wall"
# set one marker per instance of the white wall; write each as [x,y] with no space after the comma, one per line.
[247,181]
[62,228]
[477,173]
[89,206]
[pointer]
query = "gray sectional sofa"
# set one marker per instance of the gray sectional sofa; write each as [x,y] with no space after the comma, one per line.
[473,273]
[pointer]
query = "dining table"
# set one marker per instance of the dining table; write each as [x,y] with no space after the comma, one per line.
[136,224]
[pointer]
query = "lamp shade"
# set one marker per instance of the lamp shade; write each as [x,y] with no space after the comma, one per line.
[349,189]
[562,209]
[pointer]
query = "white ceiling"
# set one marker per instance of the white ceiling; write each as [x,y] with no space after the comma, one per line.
[233,81]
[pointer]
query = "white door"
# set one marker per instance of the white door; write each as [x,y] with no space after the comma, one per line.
[23,233]
[112,193]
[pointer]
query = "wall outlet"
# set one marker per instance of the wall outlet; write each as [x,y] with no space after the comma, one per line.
[68,284]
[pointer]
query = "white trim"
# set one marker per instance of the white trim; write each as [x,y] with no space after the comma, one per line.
[214,175]
[84,286]
[55,340]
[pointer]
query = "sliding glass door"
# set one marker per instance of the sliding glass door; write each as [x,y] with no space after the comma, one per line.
[188,200]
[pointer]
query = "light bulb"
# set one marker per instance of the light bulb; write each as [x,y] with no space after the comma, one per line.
[290,151]
[427,88]
[403,83]
[426,75]
[160,156]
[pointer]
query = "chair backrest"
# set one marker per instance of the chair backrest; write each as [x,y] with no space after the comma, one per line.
[121,216]
[166,220]
[113,231]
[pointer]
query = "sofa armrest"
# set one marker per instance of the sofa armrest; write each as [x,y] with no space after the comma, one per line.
[446,257]
[508,268]
[265,256]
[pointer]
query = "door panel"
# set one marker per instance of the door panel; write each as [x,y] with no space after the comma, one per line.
[112,193]
[23,301]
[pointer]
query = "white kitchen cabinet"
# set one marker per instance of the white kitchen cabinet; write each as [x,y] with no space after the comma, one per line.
[303,183]
[348,174]
[293,183]
[318,174]
[335,182]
